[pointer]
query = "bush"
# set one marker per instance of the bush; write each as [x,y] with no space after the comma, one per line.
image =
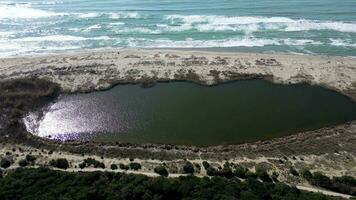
[188,168]
[5,163]
[275,177]
[320,180]
[135,166]
[30,158]
[240,171]
[123,166]
[211,171]
[227,172]
[60,163]
[23,163]
[82,165]
[91,162]
[42,183]
[113,167]
[261,173]
[161,170]
[306,174]
[206,165]
[293,171]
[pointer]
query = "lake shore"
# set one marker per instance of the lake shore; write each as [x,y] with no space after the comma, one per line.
[330,149]
[99,70]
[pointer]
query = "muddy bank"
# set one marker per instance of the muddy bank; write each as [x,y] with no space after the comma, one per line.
[17,98]
[90,71]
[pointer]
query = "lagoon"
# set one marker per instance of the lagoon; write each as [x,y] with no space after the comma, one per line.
[185,113]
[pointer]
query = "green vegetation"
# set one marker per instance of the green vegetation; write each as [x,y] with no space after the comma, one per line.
[343,184]
[135,166]
[113,167]
[30,158]
[161,170]
[240,171]
[124,167]
[91,162]
[60,163]
[261,173]
[42,183]
[5,163]
[23,163]
[188,168]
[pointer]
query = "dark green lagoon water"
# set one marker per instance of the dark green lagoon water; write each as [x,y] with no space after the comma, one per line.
[186,113]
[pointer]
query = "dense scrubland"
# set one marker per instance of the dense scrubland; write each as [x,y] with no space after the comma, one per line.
[43,183]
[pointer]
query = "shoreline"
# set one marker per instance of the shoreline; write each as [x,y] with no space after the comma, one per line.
[330,149]
[100,70]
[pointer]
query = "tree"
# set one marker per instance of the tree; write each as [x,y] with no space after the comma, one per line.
[240,171]
[261,173]
[60,163]
[113,167]
[23,163]
[161,170]
[306,174]
[30,158]
[188,168]
[5,163]
[206,165]
[135,166]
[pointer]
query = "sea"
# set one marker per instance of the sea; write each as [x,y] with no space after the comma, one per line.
[316,27]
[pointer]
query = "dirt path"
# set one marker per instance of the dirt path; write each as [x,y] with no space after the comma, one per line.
[325,192]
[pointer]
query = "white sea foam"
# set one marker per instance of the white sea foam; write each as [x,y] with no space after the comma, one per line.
[53,38]
[118,15]
[342,42]
[96,26]
[24,12]
[251,24]
[88,15]
[166,43]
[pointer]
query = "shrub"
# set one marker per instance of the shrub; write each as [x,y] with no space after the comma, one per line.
[261,173]
[211,171]
[306,174]
[60,163]
[320,180]
[113,167]
[227,172]
[206,165]
[240,171]
[250,174]
[23,163]
[135,166]
[161,170]
[30,158]
[82,165]
[91,162]
[293,171]
[123,166]
[188,168]
[5,163]
[274,176]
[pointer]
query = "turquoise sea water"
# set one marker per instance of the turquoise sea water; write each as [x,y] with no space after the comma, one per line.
[33,27]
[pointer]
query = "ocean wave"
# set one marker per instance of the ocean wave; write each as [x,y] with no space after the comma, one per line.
[125,15]
[166,43]
[257,23]
[88,15]
[342,42]
[59,38]
[24,12]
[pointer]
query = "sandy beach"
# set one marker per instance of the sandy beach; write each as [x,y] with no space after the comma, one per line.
[97,70]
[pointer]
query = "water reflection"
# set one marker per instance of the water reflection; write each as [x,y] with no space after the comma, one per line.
[185,113]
